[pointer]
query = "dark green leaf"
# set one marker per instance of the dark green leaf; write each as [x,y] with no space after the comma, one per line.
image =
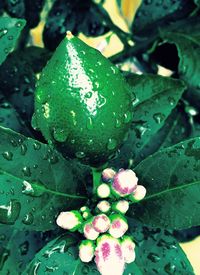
[17,249]
[28,9]
[36,183]
[75,16]
[172,179]
[10,29]
[157,251]
[152,14]
[60,256]
[154,98]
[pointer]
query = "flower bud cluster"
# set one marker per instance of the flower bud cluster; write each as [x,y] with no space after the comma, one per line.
[123,183]
[105,227]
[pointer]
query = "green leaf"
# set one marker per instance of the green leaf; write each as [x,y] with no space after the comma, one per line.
[172,179]
[17,248]
[158,252]
[10,29]
[36,183]
[154,98]
[60,256]
[153,14]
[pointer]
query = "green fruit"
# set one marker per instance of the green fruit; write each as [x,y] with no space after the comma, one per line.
[82,103]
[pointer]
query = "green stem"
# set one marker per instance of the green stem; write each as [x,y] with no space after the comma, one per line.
[96,173]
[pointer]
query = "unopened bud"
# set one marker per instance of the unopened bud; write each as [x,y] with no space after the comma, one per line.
[109,256]
[121,206]
[103,206]
[139,194]
[124,182]
[128,249]
[119,225]
[70,220]
[86,251]
[101,223]
[103,191]
[89,232]
[108,174]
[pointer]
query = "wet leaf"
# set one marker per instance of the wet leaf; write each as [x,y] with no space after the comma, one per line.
[60,256]
[17,248]
[153,14]
[154,97]
[171,177]
[36,183]
[10,29]
[158,252]
[75,16]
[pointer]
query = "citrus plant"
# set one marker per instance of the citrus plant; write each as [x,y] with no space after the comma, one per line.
[100,157]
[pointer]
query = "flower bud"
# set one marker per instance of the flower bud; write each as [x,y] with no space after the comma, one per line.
[108,174]
[84,208]
[89,232]
[121,206]
[101,223]
[119,225]
[103,206]
[108,256]
[86,251]
[70,220]
[124,182]
[128,249]
[139,194]
[103,190]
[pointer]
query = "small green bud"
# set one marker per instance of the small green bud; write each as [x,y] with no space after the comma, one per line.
[103,191]
[121,206]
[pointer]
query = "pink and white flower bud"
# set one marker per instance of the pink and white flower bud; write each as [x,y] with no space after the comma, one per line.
[124,182]
[121,206]
[108,256]
[103,191]
[101,223]
[108,174]
[103,206]
[86,251]
[70,220]
[128,249]
[119,225]
[89,232]
[139,194]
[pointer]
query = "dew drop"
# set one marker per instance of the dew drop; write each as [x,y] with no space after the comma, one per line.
[36,146]
[23,248]
[118,123]
[3,32]
[5,253]
[18,24]
[170,268]
[10,212]
[127,117]
[112,144]
[26,171]
[60,135]
[34,122]
[7,155]
[23,148]
[153,257]
[85,269]
[158,117]
[28,219]
[80,154]
[89,123]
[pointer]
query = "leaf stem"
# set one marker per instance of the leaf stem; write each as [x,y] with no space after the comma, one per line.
[43,188]
[96,173]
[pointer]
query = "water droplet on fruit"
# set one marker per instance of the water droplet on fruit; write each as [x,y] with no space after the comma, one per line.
[89,123]
[60,135]
[118,123]
[112,144]
[127,117]
[7,155]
